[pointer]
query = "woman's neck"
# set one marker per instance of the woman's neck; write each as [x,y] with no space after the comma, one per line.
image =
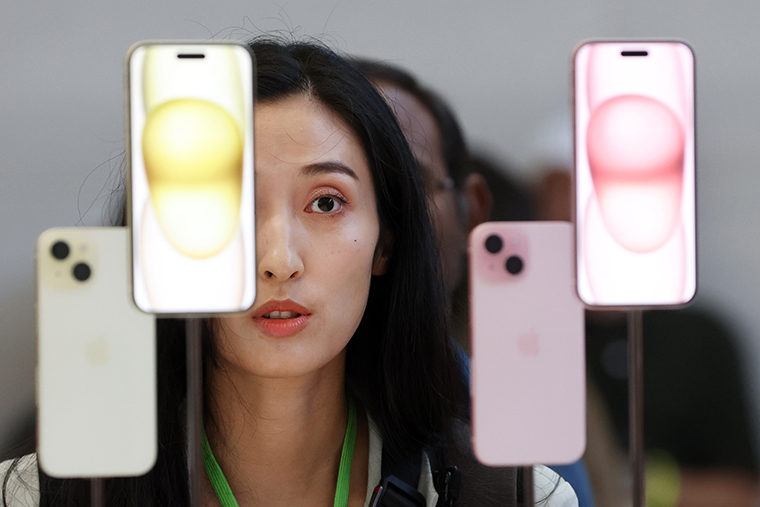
[279,440]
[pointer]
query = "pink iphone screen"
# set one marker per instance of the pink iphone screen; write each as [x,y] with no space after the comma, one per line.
[634,173]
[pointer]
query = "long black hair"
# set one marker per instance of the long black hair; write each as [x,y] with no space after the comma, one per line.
[399,363]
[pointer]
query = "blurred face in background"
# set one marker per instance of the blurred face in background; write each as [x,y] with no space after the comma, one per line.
[444,201]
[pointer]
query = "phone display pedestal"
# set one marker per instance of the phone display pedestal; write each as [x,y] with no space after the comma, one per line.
[193,342]
[528,496]
[636,404]
[96,492]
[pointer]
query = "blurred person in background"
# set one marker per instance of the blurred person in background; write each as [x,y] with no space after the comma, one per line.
[459,198]
[697,423]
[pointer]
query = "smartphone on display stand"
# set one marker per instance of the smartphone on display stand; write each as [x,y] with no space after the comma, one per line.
[528,345]
[191,180]
[635,212]
[96,358]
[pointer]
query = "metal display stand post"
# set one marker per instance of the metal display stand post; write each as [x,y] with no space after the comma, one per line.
[194,407]
[636,404]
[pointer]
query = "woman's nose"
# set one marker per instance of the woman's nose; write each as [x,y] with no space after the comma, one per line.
[277,249]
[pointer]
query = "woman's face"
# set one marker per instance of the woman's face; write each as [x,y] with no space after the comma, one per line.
[317,231]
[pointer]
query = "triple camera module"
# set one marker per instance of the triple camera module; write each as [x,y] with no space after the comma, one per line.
[81,270]
[513,264]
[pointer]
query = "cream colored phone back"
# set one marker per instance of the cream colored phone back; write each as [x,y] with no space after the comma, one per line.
[528,358]
[96,363]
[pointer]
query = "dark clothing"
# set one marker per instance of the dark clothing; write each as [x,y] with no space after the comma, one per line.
[695,404]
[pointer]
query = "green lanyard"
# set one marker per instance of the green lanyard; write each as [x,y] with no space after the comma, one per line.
[224,492]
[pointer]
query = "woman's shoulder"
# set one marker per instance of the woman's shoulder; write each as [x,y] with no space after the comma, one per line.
[20,483]
[484,485]
[551,490]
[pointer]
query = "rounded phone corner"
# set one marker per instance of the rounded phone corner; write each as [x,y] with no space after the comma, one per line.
[482,457]
[574,453]
[485,454]
[134,300]
[686,44]
[148,465]
[249,306]
[692,296]
[42,238]
[578,45]
[50,466]
[133,47]
[476,233]
[248,50]
[587,305]
[46,237]
[581,450]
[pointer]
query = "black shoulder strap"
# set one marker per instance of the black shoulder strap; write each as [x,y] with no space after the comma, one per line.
[399,481]
[407,470]
[446,476]
[398,486]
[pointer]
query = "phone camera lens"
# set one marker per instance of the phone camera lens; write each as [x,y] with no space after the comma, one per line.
[60,250]
[514,264]
[494,243]
[82,272]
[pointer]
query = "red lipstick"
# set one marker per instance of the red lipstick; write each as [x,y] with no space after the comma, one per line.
[281,319]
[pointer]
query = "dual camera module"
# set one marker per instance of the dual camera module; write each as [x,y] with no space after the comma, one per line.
[514,264]
[61,250]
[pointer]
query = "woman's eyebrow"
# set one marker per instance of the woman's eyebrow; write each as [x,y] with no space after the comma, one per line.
[328,167]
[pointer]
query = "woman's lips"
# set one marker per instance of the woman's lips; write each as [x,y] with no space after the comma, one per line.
[278,327]
[282,328]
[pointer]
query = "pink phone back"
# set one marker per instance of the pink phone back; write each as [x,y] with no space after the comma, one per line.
[528,361]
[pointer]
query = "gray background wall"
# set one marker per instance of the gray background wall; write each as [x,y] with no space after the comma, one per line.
[503,65]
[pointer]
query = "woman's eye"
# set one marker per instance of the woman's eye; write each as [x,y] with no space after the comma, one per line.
[325,204]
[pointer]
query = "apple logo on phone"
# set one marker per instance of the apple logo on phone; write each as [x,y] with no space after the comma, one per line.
[529,344]
[97,351]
